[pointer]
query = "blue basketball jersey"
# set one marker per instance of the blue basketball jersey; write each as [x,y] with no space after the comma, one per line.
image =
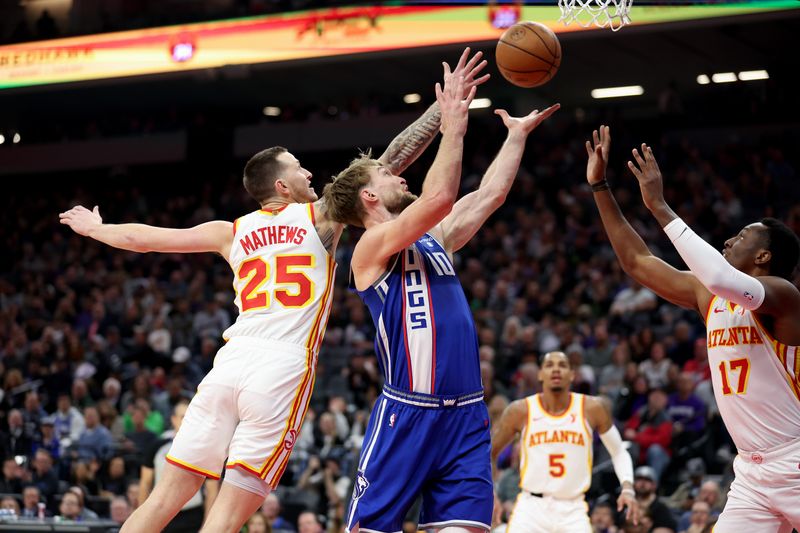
[425,335]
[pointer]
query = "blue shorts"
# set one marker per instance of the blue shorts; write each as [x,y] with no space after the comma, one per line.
[436,446]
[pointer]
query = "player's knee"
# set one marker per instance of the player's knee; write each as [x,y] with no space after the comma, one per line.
[247,481]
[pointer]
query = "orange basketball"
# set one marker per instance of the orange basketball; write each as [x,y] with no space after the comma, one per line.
[528,54]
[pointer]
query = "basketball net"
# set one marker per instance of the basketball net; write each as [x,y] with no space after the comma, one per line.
[601,13]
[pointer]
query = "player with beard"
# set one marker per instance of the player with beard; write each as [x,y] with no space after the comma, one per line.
[557,428]
[428,434]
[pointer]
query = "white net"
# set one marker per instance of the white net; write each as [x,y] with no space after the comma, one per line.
[603,13]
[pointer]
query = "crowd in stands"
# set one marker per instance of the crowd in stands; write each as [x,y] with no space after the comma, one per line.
[97,345]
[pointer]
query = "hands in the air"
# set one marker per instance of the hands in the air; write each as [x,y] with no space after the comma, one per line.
[81,220]
[649,175]
[598,155]
[529,122]
[452,104]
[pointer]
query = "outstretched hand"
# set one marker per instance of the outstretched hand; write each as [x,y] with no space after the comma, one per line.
[647,172]
[453,105]
[81,220]
[529,122]
[470,69]
[628,500]
[598,155]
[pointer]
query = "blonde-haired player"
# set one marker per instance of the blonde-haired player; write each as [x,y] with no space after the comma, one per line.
[557,428]
[251,405]
[752,313]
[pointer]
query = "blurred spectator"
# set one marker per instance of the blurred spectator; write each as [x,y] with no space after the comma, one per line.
[646,486]
[48,440]
[69,422]
[708,494]
[612,375]
[11,483]
[688,414]
[655,369]
[15,441]
[651,429]
[681,500]
[70,507]
[697,366]
[308,522]
[85,513]
[112,390]
[31,497]
[700,518]
[602,518]
[113,480]
[44,475]
[271,508]
[120,509]
[258,524]
[96,440]
[9,503]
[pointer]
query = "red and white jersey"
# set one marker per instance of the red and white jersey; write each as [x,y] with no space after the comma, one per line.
[556,451]
[755,378]
[283,277]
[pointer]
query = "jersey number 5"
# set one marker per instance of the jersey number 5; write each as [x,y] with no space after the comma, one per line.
[557,468]
[298,291]
[743,367]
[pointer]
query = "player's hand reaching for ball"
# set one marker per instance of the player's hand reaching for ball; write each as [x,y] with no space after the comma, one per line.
[470,69]
[528,123]
[598,155]
[454,107]
[81,220]
[648,174]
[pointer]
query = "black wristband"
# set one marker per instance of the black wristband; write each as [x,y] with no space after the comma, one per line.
[600,186]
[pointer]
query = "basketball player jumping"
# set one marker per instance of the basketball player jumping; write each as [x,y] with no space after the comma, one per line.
[752,314]
[428,433]
[557,428]
[251,405]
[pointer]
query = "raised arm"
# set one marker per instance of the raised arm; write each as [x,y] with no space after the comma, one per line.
[412,141]
[511,422]
[439,190]
[771,295]
[213,236]
[472,210]
[636,259]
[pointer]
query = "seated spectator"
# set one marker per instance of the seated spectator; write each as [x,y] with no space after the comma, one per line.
[44,475]
[687,412]
[698,365]
[113,480]
[602,518]
[308,522]
[633,299]
[48,439]
[612,376]
[10,503]
[68,420]
[96,440]
[271,509]
[31,497]
[15,441]
[258,524]
[70,507]
[84,475]
[651,429]
[132,494]
[11,482]
[32,415]
[700,518]
[709,494]
[656,368]
[681,500]
[120,509]
[658,514]
[85,513]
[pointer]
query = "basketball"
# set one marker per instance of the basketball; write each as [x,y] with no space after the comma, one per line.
[528,54]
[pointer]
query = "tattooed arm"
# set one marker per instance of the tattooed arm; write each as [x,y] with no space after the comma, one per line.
[412,141]
[328,230]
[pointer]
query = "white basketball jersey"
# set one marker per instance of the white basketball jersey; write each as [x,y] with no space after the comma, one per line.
[283,277]
[755,378]
[556,451]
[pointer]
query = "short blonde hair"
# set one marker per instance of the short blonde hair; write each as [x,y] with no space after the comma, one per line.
[341,195]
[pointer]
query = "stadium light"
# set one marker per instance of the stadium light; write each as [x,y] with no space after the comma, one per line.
[480,103]
[723,77]
[271,111]
[617,92]
[16,138]
[750,75]
[412,98]
[2,138]
[703,79]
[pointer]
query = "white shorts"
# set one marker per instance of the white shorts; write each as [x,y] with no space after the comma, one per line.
[765,495]
[533,514]
[249,408]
